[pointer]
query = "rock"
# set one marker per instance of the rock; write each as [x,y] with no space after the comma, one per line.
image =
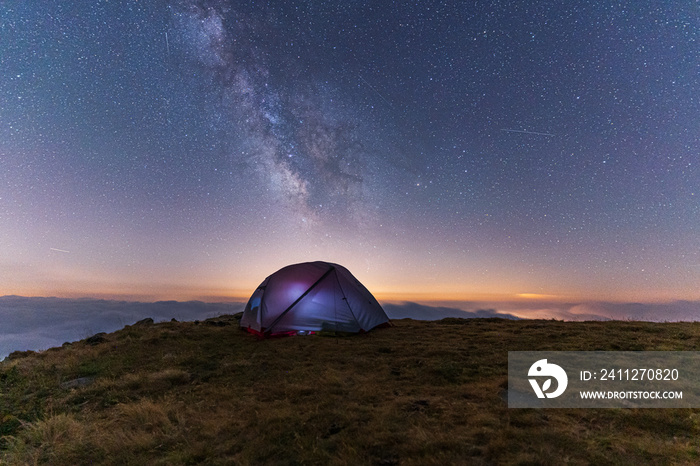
[79,382]
[217,323]
[19,355]
[146,321]
[332,430]
[96,339]
[418,405]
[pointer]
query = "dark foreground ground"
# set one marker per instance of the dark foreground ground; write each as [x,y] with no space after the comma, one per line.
[418,393]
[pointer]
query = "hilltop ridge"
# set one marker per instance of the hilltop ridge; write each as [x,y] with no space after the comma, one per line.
[421,392]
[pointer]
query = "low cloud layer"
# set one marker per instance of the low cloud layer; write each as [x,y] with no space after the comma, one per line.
[675,311]
[409,310]
[41,323]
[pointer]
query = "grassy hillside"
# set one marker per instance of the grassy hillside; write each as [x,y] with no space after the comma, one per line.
[417,393]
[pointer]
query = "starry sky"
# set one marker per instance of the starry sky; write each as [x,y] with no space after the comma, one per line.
[440,150]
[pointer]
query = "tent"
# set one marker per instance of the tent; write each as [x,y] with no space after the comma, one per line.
[311,297]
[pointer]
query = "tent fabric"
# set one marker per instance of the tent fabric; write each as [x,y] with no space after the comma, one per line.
[311,297]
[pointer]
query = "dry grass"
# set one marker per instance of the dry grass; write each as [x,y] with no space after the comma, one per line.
[417,393]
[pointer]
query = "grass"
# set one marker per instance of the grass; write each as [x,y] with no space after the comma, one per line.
[417,393]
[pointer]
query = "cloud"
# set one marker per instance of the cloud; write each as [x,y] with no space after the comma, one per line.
[675,311]
[422,312]
[41,323]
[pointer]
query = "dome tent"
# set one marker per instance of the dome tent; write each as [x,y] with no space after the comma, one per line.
[311,297]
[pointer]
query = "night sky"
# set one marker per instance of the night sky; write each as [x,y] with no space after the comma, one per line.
[484,150]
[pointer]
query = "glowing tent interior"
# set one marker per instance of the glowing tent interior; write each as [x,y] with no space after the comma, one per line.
[311,297]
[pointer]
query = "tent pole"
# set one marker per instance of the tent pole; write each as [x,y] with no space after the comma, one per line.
[269,329]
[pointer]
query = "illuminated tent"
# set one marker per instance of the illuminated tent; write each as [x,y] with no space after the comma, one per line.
[311,297]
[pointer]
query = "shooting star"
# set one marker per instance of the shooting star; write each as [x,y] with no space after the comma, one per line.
[59,250]
[537,133]
[375,91]
[167,43]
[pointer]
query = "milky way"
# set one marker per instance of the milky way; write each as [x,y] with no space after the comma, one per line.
[295,140]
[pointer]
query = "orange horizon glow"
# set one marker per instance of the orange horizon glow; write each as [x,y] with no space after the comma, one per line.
[190,293]
[394,277]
